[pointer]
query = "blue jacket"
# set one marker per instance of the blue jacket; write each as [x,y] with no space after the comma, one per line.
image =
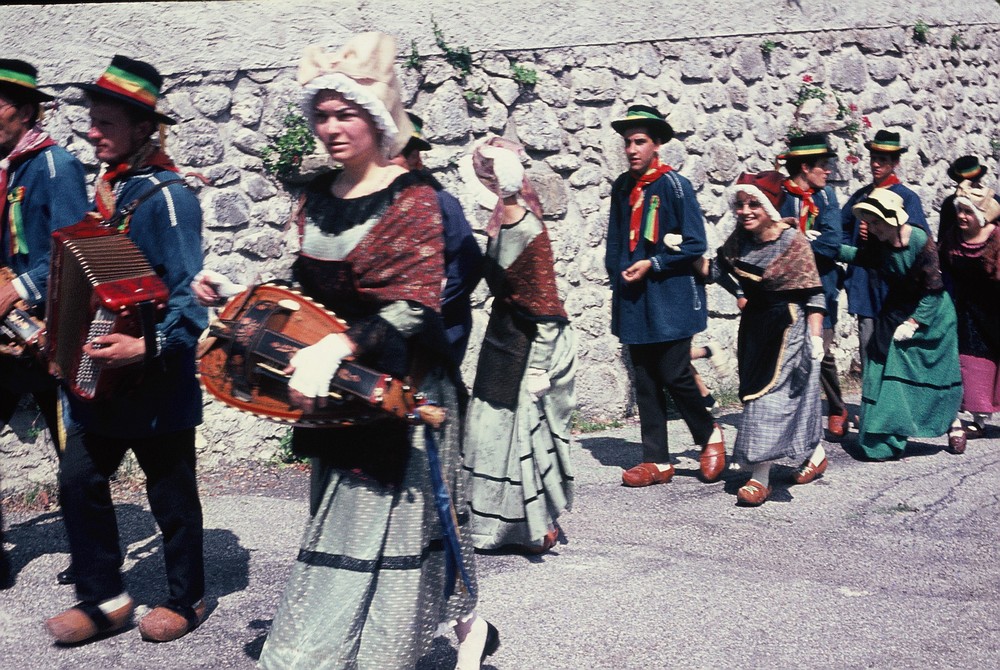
[825,247]
[54,195]
[865,290]
[669,303]
[167,229]
[463,269]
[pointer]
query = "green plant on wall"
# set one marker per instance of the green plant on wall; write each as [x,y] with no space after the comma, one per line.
[957,41]
[767,47]
[921,31]
[283,156]
[473,97]
[524,75]
[414,60]
[459,57]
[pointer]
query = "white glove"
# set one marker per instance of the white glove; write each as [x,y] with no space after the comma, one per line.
[816,341]
[315,365]
[673,241]
[537,382]
[905,330]
[218,281]
[812,234]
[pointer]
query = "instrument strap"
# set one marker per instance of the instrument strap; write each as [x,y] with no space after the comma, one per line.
[147,321]
[121,218]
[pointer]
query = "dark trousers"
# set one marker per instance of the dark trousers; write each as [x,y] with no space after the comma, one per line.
[17,377]
[661,368]
[168,462]
[829,379]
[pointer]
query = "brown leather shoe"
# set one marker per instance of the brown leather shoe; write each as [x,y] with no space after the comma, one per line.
[86,620]
[753,493]
[837,424]
[647,474]
[712,460]
[956,440]
[549,540]
[808,472]
[167,623]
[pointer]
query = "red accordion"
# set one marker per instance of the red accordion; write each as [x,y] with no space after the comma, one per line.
[99,283]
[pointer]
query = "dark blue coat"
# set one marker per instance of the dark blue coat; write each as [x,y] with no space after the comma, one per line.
[865,290]
[167,229]
[825,247]
[463,269]
[54,196]
[669,303]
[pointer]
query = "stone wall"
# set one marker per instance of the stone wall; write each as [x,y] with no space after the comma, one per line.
[729,98]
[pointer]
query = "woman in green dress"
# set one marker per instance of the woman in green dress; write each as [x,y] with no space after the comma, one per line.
[912,384]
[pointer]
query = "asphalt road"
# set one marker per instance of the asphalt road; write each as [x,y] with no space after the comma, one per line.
[875,565]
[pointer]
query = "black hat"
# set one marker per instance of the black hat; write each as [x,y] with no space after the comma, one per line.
[885,142]
[648,117]
[808,146]
[416,141]
[133,82]
[966,167]
[21,78]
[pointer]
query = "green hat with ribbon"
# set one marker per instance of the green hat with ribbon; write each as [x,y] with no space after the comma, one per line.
[417,142]
[647,117]
[21,79]
[810,145]
[886,142]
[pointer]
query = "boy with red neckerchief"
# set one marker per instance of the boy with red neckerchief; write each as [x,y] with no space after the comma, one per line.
[813,204]
[656,233]
[865,291]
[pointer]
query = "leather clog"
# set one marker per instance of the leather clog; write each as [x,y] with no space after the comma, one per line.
[837,424]
[712,460]
[166,623]
[808,472]
[85,621]
[647,474]
[753,494]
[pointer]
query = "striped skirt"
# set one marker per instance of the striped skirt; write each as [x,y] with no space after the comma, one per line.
[785,422]
[522,479]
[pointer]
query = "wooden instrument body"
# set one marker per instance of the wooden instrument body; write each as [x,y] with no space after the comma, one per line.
[258,331]
[21,333]
[99,283]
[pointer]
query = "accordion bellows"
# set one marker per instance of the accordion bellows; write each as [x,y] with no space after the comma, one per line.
[99,283]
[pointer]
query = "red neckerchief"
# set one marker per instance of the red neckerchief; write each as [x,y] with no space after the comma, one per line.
[148,156]
[635,200]
[33,141]
[809,209]
[891,180]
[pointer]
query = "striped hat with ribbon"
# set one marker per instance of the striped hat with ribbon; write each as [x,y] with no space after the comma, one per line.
[21,79]
[810,145]
[133,82]
[886,142]
[966,167]
[647,117]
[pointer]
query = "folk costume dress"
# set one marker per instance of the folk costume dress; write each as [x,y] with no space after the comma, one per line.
[368,589]
[779,381]
[972,274]
[518,448]
[910,388]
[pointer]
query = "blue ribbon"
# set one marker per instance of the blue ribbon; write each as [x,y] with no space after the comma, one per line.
[446,513]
